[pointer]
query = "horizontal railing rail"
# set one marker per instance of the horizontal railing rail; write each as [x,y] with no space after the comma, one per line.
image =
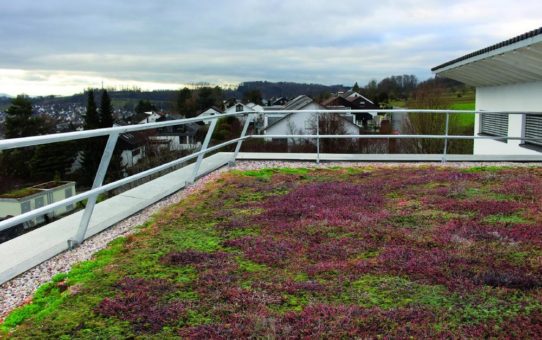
[113,133]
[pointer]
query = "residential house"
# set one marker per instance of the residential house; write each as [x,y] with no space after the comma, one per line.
[281,101]
[133,148]
[152,117]
[507,77]
[303,122]
[355,101]
[178,137]
[212,111]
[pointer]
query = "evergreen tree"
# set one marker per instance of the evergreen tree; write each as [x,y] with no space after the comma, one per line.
[115,170]
[91,118]
[106,111]
[144,106]
[94,147]
[183,98]
[355,88]
[21,123]
[253,96]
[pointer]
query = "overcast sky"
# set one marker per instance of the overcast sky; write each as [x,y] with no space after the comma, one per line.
[64,46]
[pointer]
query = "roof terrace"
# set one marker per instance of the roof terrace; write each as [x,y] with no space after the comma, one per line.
[326,249]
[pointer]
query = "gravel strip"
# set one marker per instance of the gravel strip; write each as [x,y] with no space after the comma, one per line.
[19,290]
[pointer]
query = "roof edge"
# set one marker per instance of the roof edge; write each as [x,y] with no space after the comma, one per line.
[519,38]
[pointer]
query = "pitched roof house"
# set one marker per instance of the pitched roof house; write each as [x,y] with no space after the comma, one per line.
[302,122]
[355,101]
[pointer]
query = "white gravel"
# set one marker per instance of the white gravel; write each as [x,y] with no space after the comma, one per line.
[19,290]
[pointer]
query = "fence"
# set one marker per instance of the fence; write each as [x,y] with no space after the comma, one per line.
[113,133]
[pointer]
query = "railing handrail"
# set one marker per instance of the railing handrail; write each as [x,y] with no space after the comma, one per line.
[13,143]
[99,188]
[402,111]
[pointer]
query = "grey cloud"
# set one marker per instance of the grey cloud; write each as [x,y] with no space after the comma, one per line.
[189,40]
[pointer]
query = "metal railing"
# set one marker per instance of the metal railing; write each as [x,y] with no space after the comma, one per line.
[113,134]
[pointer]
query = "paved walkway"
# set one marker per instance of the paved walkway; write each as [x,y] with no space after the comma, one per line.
[26,251]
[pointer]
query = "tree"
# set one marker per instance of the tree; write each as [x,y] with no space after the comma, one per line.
[331,124]
[184,103]
[106,111]
[115,169]
[93,148]
[91,117]
[430,95]
[21,123]
[144,106]
[253,96]
[355,88]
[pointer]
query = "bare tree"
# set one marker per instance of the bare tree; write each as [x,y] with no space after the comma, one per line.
[430,95]
[332,124]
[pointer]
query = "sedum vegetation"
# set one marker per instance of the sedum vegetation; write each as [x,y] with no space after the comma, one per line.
[299,253]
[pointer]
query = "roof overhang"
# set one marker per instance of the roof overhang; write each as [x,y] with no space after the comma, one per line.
[517,60]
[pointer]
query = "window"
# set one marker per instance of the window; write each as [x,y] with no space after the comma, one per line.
[39,202]
[136,152]
[494,124]
[25,207]
[68,192]
[533,129]
[239,108]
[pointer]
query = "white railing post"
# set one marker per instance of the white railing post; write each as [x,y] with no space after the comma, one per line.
[98,181]
[203,148]
[318,138]
[445,151]
[239,143]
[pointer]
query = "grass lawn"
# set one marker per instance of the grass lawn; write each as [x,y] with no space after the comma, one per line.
[337,253]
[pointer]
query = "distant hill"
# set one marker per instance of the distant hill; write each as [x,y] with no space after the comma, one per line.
[285,89]
[164,99]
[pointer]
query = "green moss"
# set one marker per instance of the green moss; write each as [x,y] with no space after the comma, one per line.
[512,219]
[19,193]
[195,318]
[485,168]
[518,257]
[389,292]
[266,174]
[490,304]
[49,296]
[201,237]
[241,232]
[249,266]
[301,277]
[370,254]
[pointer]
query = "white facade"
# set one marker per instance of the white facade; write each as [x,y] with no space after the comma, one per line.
[210,112]
[42,195]
[151,117]
[130,158]
[174,143]
[513,97]
[303,123]
[508,78]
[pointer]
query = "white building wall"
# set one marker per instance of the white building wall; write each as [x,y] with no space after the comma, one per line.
[303,123]
[514,97]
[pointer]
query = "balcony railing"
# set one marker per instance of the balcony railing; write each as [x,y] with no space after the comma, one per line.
[98,186]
